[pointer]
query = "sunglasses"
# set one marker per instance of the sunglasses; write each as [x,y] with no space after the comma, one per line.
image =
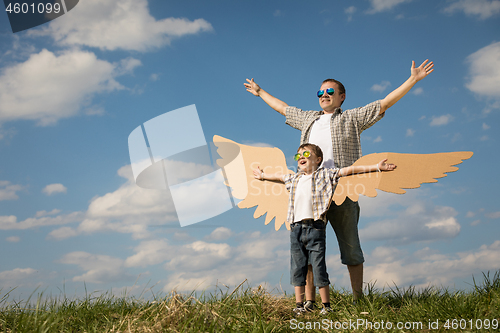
[329,91]
[305,153]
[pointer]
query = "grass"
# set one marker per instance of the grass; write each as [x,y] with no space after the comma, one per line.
[257,310]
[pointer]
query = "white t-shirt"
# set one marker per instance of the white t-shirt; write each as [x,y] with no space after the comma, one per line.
[303,199]
[321,135]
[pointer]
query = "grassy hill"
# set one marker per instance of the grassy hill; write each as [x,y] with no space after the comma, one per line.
[257,310]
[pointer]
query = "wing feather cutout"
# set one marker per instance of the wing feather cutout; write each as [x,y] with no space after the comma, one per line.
[239,160]
[269,197]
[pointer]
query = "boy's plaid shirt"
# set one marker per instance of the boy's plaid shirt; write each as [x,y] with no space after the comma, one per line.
[323,185]
[346,127]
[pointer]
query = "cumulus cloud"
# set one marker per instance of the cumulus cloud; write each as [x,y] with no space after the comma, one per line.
[350,12]
[380,87]
[410,132]
[8,191]
[202,264]
[54,188]
[484,71]
[220,233]
[10,222]
[427,266]
[418,91]
[16,277]
[119,24]
[378,6]
[99,268]
[483,9]
[419,220]
[48,86]
[441,120]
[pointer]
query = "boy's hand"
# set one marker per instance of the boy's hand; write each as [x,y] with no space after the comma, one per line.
[252,87]
[386,166]
[258,173]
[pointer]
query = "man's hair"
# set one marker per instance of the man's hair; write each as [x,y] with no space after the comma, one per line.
[341,86]
[314,149]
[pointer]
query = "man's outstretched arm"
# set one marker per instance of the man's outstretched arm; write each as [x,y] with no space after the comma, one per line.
[272,101]
[417,74]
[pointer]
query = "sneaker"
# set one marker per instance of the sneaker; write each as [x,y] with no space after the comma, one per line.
[299,311]
[325,311]
[310,306]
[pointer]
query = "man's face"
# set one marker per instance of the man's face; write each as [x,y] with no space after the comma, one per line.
[330,103]
[308,164]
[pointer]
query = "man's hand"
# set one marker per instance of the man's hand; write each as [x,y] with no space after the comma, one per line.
[252,87]
[421,71]
[385,166]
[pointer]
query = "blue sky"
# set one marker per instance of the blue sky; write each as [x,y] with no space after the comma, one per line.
[72,90]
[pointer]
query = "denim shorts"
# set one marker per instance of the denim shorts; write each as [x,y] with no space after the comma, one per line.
[307,247]
[344,221]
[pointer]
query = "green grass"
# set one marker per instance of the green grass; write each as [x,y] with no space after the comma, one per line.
[246,309]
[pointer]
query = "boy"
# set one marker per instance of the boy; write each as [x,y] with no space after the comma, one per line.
[311,191]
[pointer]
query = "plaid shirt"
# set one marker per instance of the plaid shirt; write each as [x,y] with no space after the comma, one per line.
[323,185]
[346,127]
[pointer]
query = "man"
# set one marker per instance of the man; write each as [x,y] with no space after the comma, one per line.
[337,133]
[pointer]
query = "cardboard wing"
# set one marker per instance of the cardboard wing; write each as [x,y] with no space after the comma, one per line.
[272,197]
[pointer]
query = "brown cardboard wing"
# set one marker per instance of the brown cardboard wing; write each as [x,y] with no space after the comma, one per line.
[238,162]
[412,170]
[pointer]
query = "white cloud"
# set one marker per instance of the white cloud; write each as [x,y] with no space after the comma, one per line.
[378,139]
[15,277]
[10,222]
[13,239]
[220,233]
[429,267]
[484,71]
[494,215]
[99,268]
[62,233]
[254,259]
[119,24]
[410,132]
[9,191]
[482,8]
[45,213]
[384,5]
[381,87]
[350,12]
[54,188]
[201,264]
[420,220]
[48,87]
[441,120]
[486,126]
[418,91]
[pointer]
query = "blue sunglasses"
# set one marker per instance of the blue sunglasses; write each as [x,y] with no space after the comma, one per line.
[329,91]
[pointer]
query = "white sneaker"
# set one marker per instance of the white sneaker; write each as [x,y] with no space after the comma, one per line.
[325,311]
[299,311]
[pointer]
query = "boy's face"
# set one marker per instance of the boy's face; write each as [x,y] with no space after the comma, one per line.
[308,164]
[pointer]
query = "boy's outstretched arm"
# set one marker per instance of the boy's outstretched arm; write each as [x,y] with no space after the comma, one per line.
[272,101]
[417,74]
[261,175]
[380,166]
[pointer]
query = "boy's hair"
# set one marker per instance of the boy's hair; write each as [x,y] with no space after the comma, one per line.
[311,146]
